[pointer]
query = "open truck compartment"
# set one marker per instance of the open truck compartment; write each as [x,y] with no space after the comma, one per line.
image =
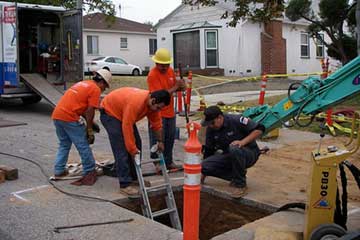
[39,40]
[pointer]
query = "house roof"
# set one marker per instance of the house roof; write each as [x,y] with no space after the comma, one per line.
[195,25]
[98,21]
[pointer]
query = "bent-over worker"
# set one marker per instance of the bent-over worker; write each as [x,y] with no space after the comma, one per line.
[120,110]
[80,100]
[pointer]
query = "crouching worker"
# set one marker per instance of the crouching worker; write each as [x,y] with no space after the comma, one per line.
[230,147]
[80,100]
[120,110]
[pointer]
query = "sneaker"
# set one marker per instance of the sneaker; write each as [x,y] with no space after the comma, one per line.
[63,174]
[130,191]
[238,192]
[89,179]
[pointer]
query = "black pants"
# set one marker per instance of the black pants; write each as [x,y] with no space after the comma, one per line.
[125,167]
[231,166]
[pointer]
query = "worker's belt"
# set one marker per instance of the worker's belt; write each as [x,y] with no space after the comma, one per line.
[102,110]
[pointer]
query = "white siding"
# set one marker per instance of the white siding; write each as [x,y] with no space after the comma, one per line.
[109,44]
[240,47]
[296,64]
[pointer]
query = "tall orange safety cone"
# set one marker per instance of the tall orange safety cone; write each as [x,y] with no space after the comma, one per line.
[262,91]
[192,176]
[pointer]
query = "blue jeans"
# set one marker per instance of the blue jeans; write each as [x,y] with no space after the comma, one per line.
[231,166]
[125,168]
[169,131]
[68,133]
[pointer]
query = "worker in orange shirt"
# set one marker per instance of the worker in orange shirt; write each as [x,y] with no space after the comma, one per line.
[162,76]
[120,110]
[80,100]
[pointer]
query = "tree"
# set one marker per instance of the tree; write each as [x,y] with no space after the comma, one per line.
[333,15]
[256,10]
[105,6]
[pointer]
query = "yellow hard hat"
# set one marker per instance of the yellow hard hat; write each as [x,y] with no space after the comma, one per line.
[162,56]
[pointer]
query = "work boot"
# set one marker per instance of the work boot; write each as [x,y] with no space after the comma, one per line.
[238,192]
[157,169]
[136,183]
[130,191]
[89,179]
[172,167]
[202,180]
[63,174]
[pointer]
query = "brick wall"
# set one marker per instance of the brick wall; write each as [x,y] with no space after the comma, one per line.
[273,49]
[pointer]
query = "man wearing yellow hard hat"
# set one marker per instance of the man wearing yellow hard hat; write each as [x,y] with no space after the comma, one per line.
[162,76]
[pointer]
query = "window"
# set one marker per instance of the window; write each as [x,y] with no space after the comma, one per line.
[304,45]
[152,46]
[110,60]
[123,43]
[211,49]
[120,61]
[320,46]
[93,45]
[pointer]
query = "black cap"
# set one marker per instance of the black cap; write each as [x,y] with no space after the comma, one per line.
[210,113]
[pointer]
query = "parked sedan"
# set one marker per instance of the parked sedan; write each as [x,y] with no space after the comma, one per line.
[115,65]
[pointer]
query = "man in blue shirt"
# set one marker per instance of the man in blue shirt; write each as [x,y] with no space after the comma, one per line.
[230,147]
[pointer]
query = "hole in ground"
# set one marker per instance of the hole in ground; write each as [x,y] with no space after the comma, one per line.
[217,215]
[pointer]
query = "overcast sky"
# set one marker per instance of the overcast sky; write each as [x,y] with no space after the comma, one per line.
[145,10]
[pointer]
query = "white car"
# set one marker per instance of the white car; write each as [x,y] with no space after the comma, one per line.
[115,65]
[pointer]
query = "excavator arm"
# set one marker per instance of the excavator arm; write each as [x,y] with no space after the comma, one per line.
[310,96]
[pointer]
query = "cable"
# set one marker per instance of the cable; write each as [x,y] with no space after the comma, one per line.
[74,195]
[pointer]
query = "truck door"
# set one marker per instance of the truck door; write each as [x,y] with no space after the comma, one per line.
[71,49]
[8,46]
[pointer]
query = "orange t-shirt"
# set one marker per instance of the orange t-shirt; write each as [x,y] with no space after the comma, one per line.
[158,81]
[130,105]
[76,100]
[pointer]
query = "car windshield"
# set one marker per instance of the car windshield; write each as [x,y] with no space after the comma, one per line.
[98,59]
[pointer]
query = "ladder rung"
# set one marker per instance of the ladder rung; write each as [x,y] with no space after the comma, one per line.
[150,161]
[163,212]
[157,187]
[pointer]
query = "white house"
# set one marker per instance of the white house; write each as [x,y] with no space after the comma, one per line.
[202,41]
[134,42]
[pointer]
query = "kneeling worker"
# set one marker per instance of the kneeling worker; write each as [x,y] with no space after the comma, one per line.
[230,147]
[120,110]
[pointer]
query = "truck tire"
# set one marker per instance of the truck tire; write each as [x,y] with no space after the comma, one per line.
[31,100]
[327,232]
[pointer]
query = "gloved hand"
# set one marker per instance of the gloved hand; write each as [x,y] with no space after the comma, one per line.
[96,127]
[90,135]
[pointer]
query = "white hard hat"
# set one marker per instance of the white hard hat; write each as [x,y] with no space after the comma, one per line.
[105,74]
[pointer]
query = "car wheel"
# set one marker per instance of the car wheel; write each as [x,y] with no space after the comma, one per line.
[106,68]
[136,72]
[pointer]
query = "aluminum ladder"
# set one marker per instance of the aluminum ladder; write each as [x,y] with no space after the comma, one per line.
[171,208]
